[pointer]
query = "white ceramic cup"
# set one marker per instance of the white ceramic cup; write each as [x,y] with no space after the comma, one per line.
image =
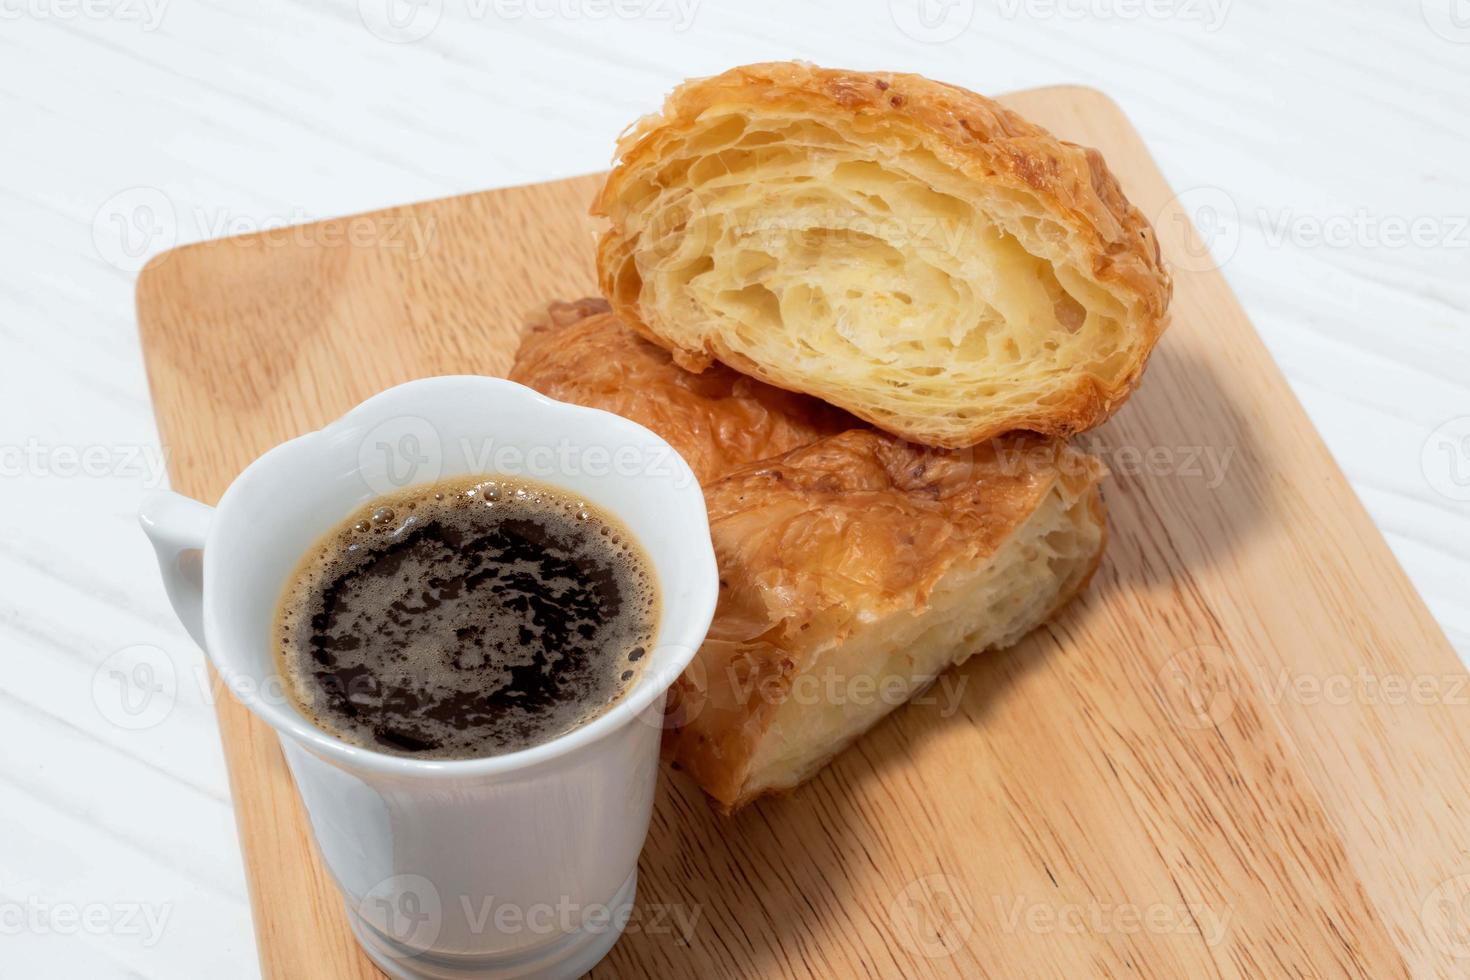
[522,864]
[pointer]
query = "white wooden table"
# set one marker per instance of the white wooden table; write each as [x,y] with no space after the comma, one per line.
[1321,145]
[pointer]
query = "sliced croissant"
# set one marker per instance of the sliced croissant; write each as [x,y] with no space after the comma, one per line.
[854,567]
[904,249]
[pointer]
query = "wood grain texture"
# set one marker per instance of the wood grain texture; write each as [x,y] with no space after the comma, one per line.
[1241,754]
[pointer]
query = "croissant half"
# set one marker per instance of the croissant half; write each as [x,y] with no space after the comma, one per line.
[907,250]
[854,571]
[854,566]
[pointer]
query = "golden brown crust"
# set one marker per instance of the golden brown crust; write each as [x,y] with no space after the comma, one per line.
[999,153]
[718,420]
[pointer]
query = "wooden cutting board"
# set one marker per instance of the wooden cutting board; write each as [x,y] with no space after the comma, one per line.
[1243,753]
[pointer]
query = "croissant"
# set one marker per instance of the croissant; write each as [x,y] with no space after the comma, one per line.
[906,250]
[854,566]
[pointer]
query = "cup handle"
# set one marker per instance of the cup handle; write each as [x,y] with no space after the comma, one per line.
[177,526]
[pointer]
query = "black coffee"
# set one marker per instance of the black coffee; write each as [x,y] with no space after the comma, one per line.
[467,619]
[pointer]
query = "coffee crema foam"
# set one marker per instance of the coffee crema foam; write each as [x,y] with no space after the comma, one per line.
[467,619]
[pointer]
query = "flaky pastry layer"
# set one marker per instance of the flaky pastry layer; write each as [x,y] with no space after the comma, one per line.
[904,249]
